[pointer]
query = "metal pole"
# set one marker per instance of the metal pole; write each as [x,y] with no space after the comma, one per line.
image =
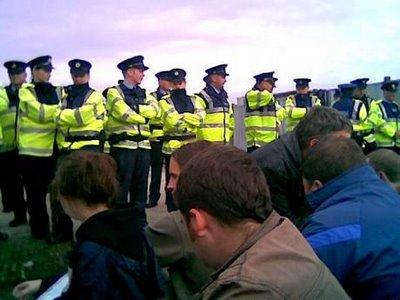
[239,135]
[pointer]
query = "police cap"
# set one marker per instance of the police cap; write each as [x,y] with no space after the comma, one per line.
[390,86]
[176,75]
[15,67]
[302,82]
[79,67]
[133,62]
[347,87]
[41,62]
[265,76]
[163,75]
[219,70]
[360,82]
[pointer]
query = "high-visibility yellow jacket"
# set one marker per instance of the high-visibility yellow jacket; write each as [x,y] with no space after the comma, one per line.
[385,119]
[81,126]
[218,124]
[183,126]
[263,118]
[36,123]
[156,123]
[123,120]
[8,123]
[297,111]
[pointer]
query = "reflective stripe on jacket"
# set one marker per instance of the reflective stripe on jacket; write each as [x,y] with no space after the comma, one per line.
[36,123]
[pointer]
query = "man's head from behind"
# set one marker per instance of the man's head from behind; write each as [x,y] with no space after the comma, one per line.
[180,158]
[387,164]
[221,193]
[319,122]
[328,159]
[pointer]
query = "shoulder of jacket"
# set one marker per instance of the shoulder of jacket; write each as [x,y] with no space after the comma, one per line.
[27,85]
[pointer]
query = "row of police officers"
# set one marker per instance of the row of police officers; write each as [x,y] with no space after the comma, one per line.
[41,123]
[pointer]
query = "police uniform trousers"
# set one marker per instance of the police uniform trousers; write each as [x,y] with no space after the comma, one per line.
[37,173]
[156,163]
[12,191]
[169,200]
[62,225]
[133,171]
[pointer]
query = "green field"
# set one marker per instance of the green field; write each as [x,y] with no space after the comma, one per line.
[23,258]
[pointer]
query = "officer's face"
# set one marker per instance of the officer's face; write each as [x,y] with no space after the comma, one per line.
[78,80]
[218,81]
[303,90]
[359,92]
[135,75]
[174,171]
[390,96]
[41,75]
[164,84]
[18,78]
[266,85]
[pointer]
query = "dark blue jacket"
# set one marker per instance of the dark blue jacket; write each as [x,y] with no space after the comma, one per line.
[113,260]
[355,231]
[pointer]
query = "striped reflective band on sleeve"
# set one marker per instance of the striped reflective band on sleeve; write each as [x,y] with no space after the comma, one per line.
[78,117]
[41,113]
[335,235]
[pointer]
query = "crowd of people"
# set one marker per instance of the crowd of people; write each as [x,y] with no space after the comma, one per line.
[301,215]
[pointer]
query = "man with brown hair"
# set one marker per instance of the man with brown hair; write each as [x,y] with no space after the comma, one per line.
[225,201]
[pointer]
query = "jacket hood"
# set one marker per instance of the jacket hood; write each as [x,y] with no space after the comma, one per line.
[118,229]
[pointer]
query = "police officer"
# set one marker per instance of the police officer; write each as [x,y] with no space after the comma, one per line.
[360,93]
[129,108]
[156,157]
[218,122]
[356,111]
[298,104]
[39,102]
[263,113]
[79,126]
[385,117]
[10,176]
[182,116]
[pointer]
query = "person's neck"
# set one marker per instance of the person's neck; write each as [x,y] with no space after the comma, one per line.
[88,212]
[129,84]
[232,238]
[218,90]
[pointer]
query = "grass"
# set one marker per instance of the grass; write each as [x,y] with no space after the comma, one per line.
[23,258]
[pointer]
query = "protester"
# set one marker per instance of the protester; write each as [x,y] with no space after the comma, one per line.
[387,164]
[225,201]
[354,227]
[281,160]
[112,258]
[170,239]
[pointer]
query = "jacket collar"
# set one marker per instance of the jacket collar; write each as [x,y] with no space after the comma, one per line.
[352,177]
[118,230]
[273,220]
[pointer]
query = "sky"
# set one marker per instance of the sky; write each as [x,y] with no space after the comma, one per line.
[330,42]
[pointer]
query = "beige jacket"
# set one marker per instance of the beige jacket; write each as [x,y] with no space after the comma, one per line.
[275,263]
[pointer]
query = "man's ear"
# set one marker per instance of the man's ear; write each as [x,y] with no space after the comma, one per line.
[310,187]
[316,185]
[197,222]
[383,176]
[312,142]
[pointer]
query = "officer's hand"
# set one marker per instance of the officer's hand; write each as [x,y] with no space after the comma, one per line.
[26,289]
